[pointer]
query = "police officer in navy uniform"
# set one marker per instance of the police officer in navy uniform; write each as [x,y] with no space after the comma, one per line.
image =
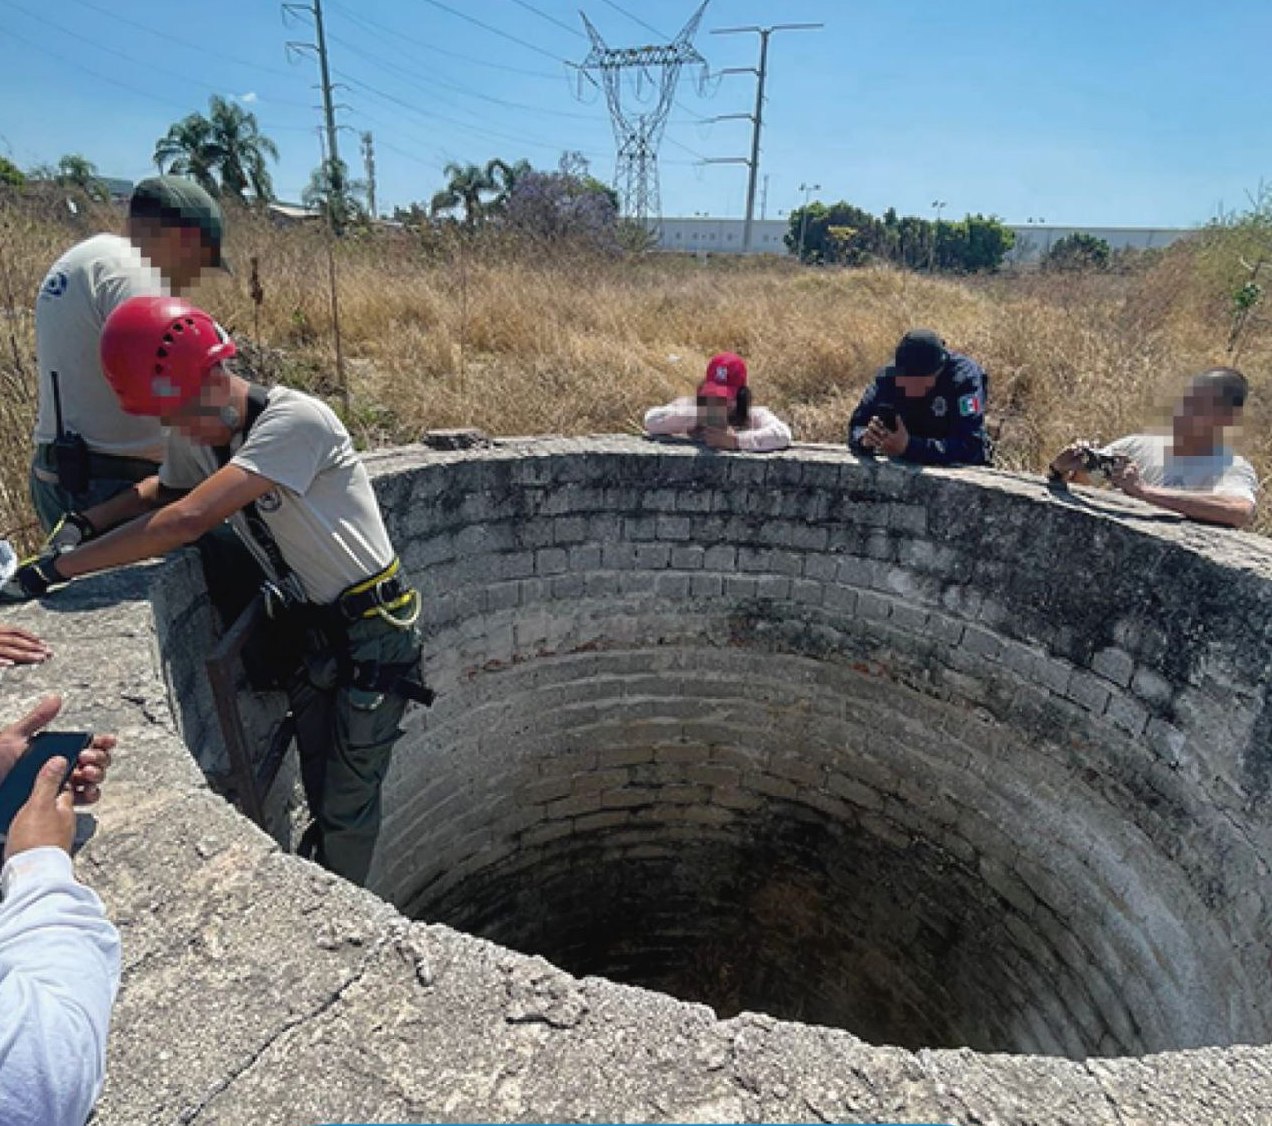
[928,406]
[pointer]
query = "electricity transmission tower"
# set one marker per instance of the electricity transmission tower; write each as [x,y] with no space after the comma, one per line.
[639,134]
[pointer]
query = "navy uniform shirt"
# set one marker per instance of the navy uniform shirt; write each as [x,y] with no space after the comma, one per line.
[947,425]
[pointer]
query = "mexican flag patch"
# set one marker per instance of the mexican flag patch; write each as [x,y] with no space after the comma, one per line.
[970,404]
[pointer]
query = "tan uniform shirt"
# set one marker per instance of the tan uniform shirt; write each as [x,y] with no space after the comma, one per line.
[323,513]
[80,291]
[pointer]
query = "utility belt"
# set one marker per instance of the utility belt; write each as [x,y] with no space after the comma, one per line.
[73,466]
[323,630]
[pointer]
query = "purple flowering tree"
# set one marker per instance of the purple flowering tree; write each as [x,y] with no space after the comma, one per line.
[564,207]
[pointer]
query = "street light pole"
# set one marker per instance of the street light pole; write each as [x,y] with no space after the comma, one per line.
[803,218]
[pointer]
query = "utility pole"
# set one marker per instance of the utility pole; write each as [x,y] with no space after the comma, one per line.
[368,162]
[757,119]
[335,170]
[764,198]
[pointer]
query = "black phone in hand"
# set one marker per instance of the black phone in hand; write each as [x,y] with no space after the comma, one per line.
[16,787]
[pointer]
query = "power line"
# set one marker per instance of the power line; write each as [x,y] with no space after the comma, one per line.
[636,19]
[413,80]
[144,64]
[476,130]
[74,65]
[497,31]
[202,48]
[392,36]
[551,19]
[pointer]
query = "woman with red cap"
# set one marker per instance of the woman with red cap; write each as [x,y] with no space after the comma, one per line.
[722,415]
[280,467]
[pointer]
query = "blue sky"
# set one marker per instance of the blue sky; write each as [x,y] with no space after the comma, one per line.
[1116,112]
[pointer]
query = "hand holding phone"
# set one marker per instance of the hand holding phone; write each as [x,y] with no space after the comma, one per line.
[17,786]
[887,414]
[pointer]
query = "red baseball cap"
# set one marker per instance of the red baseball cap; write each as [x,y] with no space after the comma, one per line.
[726,375]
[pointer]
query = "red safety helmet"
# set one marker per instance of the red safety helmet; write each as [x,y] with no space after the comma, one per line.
[157,351]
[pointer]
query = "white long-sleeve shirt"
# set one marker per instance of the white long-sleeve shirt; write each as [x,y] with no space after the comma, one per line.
[59,972]
[766,431]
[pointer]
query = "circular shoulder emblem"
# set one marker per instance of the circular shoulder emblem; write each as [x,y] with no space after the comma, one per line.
[939,406]
[54,285]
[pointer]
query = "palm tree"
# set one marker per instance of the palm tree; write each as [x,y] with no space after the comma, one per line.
[337,198]
[228,144]
[504,177]
[467,184]
[243,149]
[187,150]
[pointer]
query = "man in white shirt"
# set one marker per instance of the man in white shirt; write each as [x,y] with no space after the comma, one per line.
[1191,470]
[174,233]
[59,956]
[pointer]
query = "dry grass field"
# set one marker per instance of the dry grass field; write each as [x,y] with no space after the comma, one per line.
[446,331]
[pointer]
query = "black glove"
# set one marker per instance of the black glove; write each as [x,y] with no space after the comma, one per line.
[72,530]
[37,576]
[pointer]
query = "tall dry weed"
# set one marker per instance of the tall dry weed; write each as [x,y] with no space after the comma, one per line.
[451,330]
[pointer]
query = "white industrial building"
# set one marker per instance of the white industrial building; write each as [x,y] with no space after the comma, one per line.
[702,234]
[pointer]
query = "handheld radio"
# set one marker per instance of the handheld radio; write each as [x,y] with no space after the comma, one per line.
[70,451]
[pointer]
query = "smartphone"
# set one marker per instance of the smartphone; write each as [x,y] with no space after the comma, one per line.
[16,787]
[887,414]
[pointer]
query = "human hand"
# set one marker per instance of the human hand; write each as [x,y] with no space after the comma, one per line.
[35,578]
[1126,476]
[91,766]
[1070,461]
[879,438]
[72,530]
[18,647]
[720,438]
[48,817]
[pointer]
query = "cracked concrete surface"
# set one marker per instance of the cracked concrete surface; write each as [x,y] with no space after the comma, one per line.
[259,990]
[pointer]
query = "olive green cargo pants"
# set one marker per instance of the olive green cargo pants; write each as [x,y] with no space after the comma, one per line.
[346,737]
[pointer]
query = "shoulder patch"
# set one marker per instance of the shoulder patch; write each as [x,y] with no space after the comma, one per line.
[54,285]
[970,404]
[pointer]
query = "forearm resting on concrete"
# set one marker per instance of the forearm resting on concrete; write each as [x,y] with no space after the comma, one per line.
[150,535]
[1214,508]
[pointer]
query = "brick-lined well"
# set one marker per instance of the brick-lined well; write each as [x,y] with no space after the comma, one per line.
[939,757]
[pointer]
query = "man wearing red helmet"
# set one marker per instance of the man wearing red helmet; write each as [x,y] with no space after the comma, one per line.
[280,467]
[721,414]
